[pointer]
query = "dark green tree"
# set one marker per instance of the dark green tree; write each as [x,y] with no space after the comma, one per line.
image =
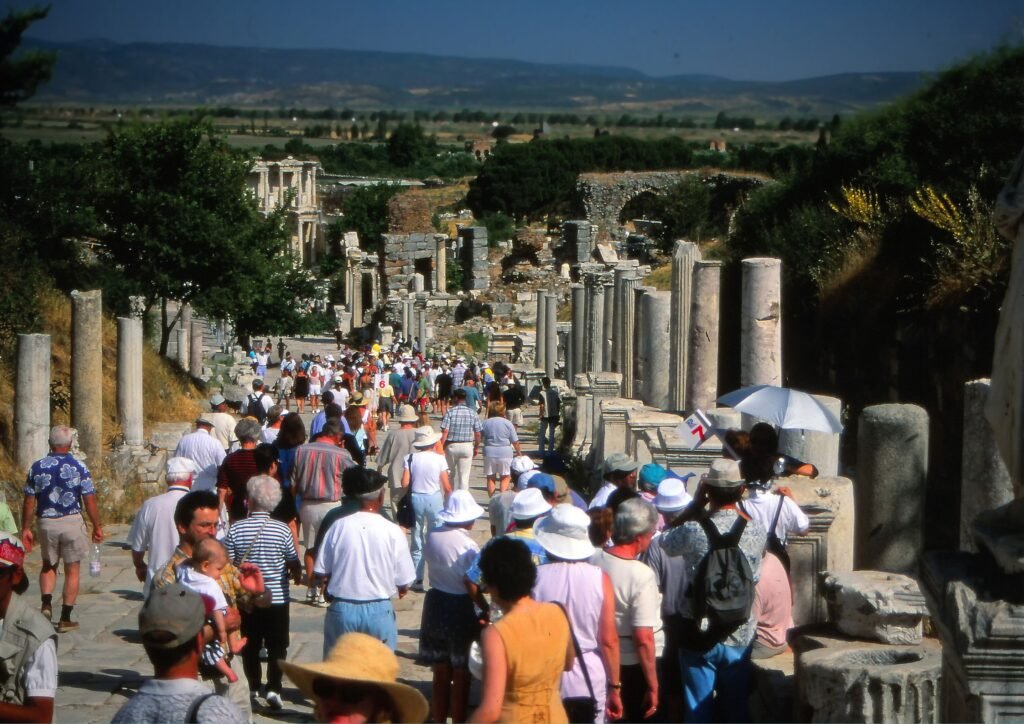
[408,145]
[366,212]
[19,77]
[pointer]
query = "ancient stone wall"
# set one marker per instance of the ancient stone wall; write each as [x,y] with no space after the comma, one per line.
[409,213]
[401,252]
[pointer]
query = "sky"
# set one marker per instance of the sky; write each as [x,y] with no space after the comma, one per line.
[741,39]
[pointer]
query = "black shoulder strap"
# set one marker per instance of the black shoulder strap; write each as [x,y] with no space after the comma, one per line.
[778,512]
[577,651]
[732,538]
[711,531]
[192,716]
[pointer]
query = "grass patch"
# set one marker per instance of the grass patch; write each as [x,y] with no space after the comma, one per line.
[660,278]
[477,341]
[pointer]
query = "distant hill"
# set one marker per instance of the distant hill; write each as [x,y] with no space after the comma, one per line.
[100,71]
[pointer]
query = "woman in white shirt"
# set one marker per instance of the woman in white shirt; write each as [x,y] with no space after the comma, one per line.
[426,476]
[449,623]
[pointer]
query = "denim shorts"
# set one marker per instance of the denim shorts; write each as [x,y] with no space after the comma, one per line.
[374,618]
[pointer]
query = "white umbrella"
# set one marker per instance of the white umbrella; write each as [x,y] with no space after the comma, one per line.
[785,408]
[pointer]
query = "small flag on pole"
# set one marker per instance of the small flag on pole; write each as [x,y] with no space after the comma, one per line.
[696,428]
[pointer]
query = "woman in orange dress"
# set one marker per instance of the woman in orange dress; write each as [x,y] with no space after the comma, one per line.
[525,653]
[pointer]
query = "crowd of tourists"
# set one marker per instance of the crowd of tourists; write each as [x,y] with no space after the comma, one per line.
[610,609]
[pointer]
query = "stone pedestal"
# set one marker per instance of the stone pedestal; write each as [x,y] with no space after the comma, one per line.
[818,448]
[883,607]
[603,386]
[87,373]
[387,335]
[985,480]
[626,280]
[129,379]
[761,323]
[702,359]
[195,349]
[550,334]
[892,472]
[655,349]
[613,424]
[32,399]
[417,283]
[579,331]
[584,415]
[684,254]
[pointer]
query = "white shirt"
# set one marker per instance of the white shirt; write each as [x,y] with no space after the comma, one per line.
[601,496]
[269,434]
[341,396]
[39,673]
[449,553]
[367,558]
[223,428]
[425,470]
[206,452]
[637,600]
[202,584]
[154,530]
[265,399]
[761,505]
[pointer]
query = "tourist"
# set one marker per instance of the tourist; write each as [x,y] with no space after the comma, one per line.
[772,609]
[320,417]
[285,387]
[258,402]
[620,471]
[358,682]
[316,482]
[58,488]
[237,468]
[585,591]
[525,653]
[550,410]
[269,545]
[458,373]
[500,444]
[528,507]
[205,451]
[715,661]
[443,386]
[275,416]
[365,560]
[521,470]
[301,387]
[513,397]
[291,435]
[316,381]
[601,521]
[426,476]
[473,397]
[554,465]
[29,674]
[764,461]
[394,451]
[449,624]
[153,530]
[196,519]
[262,360]
[385,404]
[460,436]
[171,627]
[353,425]
[223,422]
[267,464]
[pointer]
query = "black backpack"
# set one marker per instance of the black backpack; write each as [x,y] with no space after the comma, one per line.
[256,408]
[723,589]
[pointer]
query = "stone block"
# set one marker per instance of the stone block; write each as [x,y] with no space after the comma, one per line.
[885,607]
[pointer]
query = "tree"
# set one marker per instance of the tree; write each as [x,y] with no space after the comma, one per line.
[180,222]
[408,145]
[20,77]
[366,212]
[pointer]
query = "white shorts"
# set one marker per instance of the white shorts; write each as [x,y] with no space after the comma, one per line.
[498,467]
[515,416]
[312,515]
[315,390]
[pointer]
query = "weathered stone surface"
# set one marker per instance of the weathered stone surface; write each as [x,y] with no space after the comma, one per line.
[129,378]
[195,349]
[885,607]
[87,372]
[702,359]
[892,471]
[761,323]
[655,350]
[984,479]
[32,399]
[684,255]
[408,213]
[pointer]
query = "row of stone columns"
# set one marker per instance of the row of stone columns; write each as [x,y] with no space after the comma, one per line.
[32,389]
[546,337]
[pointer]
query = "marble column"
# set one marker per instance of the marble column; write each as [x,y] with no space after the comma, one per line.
[984,480]
[684,254]
[421,327]
[892,475]
[608,280]
[761,323]
[195,349]
[639,327]
[441,265]
[407,332]
[87,372]
[579,331]
[540,349]
[357,297]
[595,327]
[183,334]
[626,280]
[550,334]
[185,323]
[32,399]
[655,348]
[702,359]
[129,379]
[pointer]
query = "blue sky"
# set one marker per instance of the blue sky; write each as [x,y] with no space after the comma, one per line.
[742,39]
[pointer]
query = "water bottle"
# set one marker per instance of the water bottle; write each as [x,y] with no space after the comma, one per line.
[779,467]
[95,566]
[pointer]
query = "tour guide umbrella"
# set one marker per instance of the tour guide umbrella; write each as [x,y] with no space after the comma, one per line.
[785,408]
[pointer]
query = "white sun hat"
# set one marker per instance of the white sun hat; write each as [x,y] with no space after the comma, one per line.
[672,495]
[425,437]
[521,464]
[564,534]
[529,504]
[461,508]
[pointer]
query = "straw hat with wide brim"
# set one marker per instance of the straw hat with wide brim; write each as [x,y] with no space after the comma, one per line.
[357,400]
[425,437]
[406,413]
[361,659]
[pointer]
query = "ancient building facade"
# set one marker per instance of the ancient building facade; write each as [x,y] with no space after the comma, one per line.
[293,183]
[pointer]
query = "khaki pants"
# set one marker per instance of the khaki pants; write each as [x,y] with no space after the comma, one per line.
[460,462]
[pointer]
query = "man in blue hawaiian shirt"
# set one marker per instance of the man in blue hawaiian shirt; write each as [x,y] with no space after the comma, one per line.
[57,489]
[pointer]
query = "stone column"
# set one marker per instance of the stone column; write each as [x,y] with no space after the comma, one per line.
[579,331]
[129,378]
[639,325]
[195,349]
[421,328]
[608,280]
[185,323]
[357,297]
[32,399]
[702,358]
[818,448]
[892,471]
[550,334]
[984,479]
[406,319]
[626,280]
[595,327]
[441,265]
[655,348]
[761,323]
[183,333]
[87,373]
[684,255]
[418,283]
[540,349]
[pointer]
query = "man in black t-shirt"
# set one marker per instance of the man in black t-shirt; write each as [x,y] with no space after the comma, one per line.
[443,385]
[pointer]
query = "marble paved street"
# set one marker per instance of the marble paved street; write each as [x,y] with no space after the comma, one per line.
[103,663]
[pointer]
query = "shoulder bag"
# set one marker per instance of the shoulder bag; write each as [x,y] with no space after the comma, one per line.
[579,709]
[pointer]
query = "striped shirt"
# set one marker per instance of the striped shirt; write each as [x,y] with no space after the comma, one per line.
[316,472]
[269,545]
[461,423]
